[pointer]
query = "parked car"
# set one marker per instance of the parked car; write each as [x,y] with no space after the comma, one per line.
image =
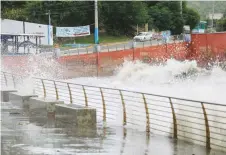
[143,36]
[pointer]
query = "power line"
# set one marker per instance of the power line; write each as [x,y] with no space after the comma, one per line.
[58,13]
[69,8]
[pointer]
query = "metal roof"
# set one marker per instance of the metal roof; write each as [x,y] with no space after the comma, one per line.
[22,34]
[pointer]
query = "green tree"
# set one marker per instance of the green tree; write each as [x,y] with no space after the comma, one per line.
[63,13]
[13,10]
[161,18]
[166,15]
[191,17]
[224,14]
[119,18]
[221,25]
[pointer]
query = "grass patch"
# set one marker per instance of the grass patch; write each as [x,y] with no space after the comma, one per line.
[103,39]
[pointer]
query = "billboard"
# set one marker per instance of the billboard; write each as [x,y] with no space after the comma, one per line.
[73,31]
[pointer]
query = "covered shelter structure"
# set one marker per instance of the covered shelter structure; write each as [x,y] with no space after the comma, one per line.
[16,41]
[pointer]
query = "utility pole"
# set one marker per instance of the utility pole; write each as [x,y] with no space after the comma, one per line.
[49,18]
[49,27]
[181,13]
[96,38]
[181,8]
[213,9]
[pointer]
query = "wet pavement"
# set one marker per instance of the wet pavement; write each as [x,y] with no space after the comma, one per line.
[39,135]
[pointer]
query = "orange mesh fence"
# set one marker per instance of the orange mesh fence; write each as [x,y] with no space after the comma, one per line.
[208,47]
[105,62]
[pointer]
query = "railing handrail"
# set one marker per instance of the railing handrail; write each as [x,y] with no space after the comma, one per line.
[124,90]
[176,114]
[138,92]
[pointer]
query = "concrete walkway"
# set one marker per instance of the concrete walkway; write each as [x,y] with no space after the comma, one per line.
[36,135]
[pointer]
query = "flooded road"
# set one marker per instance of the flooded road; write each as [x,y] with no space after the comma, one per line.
[39,135]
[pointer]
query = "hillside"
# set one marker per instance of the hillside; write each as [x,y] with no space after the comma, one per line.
[206,7]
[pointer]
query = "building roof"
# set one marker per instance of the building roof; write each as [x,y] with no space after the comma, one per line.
[215,15]
[22,34]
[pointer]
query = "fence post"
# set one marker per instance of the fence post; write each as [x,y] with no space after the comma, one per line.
[147,114]
[87,50]
[69,89]
[104,105]
[166,47]
[84,91]
[108,47]
[207,127]
[206,43]
[44,89]
[133,53]
[57,96]
[116,48]
[174,119]
[124,108]
[124,47]
[6,83]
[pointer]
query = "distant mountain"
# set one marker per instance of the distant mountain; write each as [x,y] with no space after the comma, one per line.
[206,7]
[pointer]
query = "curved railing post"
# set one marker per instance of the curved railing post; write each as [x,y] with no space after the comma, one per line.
[124,108]
[147,114]
[207,127]
[6,83]
[70,95]
[174,119]
[14,83]
[84,91]
[44,89]
[104,105]
[56,90]
[123,141]
[108,47]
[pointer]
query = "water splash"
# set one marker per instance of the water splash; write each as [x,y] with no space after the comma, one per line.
[29,66]
[41,66]
[174,78]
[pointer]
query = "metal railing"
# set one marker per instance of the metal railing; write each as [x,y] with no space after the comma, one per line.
[191,120]
[122,46]
[10,80]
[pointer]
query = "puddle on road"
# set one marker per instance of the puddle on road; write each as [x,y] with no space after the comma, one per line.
[38,135]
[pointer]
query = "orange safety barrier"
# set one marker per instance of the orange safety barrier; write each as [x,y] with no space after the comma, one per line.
[208,47]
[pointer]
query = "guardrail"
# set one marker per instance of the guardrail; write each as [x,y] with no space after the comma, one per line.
[191,120]
[122,46]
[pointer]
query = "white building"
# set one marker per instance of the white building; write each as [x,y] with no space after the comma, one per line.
[21,27]
[215,16]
